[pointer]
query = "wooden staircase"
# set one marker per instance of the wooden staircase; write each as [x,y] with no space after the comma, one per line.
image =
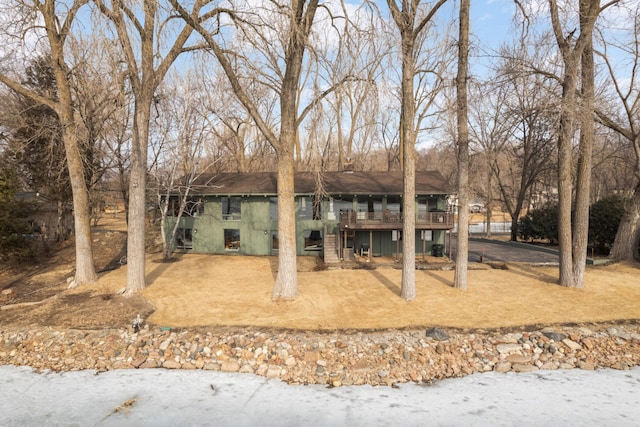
[330,249]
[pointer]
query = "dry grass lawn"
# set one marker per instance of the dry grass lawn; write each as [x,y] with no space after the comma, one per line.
[202,290]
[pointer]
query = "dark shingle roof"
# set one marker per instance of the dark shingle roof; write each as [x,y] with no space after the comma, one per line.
[265,183]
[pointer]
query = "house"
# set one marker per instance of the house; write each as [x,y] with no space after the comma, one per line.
[50,220]
[338,214]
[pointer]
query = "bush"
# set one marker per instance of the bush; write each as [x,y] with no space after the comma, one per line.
[604,219]
[16,241]
[540,224]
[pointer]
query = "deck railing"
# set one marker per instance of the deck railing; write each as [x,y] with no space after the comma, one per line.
[393,220]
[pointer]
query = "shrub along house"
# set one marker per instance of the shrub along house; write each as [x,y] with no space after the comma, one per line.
[338,214]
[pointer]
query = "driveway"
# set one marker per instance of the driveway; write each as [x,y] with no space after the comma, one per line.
[488,250]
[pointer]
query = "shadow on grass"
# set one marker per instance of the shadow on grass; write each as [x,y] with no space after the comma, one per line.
[386,282]
[530,272]
[438,278]
[161,268]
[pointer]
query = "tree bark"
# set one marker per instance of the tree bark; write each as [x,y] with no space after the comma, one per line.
[405,20]
[565,184]
[146,68]
[462,246]
[407,142]
[286,284]
[571,52]
[583,177]
[57,32]
[136,230]
[300,22]
[626,246]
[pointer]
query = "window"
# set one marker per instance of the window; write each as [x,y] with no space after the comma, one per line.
[374,204]
[231,208]
[184,238]
[422,209]
[273,208]
[275,242]
[309,208]
[193,207]
[232,240]
[394,204]
[312,240]
[343,204]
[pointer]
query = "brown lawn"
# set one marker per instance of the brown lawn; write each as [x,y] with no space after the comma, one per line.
[208,290]
[199,290]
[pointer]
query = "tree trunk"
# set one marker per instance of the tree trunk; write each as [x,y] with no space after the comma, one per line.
[489,205]
[565,186]
[136,242]
[85,270]
[626,246]
[462,248]
[286,284]
[572,51]
[407,147]
[583,177]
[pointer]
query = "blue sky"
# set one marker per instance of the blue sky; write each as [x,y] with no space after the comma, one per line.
[491,20]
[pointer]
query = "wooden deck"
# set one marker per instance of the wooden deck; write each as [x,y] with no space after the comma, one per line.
[393,221]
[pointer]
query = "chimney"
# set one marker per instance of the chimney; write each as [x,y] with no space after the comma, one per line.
[348,165]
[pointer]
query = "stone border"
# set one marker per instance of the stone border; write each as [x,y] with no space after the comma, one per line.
[339,358]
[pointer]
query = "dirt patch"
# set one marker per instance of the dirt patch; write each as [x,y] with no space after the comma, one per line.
[230,291]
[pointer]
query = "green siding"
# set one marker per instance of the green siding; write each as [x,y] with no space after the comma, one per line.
[256,228]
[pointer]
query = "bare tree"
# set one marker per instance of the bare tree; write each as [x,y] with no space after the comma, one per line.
[515,126]
[354,66]
[626,123]
[56,19]
[490,132]
[141,34]
[572,241]
[462,244]
[279,34]
[241,145]
[180,158]
[411,21]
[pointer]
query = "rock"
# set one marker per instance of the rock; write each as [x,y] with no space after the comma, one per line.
[230,365]
[291,361]
[550,365]
[273,372]
[518,358]
[246,369]
[437,334]
[587,366]
[508,348]
[556,336]
[502,367]
[171,364]
[311,356]
[375,358]
[148,364]
[573,346]
[138,362]
[519,367]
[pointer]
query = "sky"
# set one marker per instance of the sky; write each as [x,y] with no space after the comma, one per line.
[160,397]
